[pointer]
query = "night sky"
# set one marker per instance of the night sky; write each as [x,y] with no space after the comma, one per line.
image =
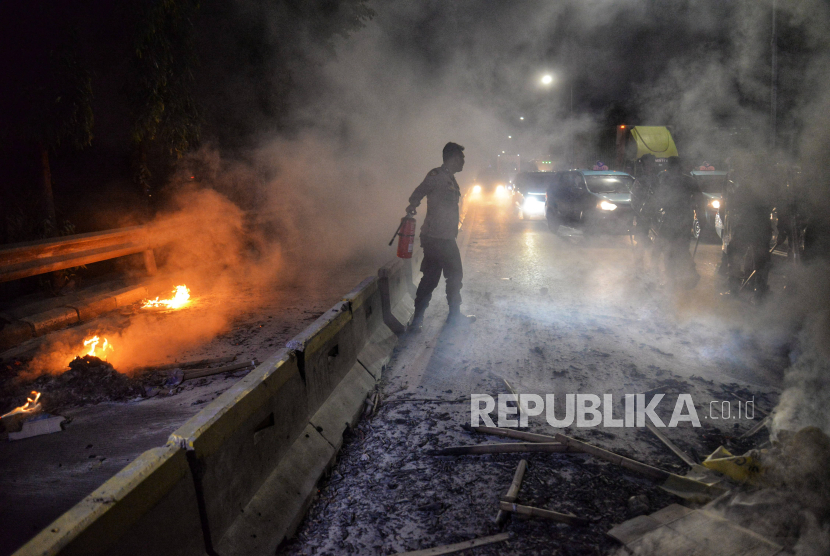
[275,70]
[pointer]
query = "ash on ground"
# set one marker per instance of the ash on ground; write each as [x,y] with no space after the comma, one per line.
[386,495]
[89,380]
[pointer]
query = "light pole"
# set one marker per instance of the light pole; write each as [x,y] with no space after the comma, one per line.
[773,96]
[547,81]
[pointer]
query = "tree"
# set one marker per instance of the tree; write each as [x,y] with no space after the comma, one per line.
[161,85]
[61,112]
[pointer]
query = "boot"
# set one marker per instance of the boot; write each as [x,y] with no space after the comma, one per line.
[456,318]
[417,322]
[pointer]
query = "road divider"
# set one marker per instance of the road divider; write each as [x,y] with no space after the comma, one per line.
[147,508]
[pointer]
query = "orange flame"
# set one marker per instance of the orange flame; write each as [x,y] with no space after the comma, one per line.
[181,297]
[93,350]
[30,406]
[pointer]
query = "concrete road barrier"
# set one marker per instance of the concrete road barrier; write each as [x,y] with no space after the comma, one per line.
[149,507]
[326,351]
[370,331]
[238,439]
[238,477]
[395,281]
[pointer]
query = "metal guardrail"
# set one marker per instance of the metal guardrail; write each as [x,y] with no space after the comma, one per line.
[21,260]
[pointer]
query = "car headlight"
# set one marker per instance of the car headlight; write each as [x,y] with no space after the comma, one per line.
[715,204]
[606,205]
[500,190]
[476,189]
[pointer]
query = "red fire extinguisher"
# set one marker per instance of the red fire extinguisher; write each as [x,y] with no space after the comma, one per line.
[406,237]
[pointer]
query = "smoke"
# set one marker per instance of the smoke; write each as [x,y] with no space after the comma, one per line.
[207,246]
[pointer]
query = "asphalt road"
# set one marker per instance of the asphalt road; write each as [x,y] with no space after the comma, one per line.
[555,315]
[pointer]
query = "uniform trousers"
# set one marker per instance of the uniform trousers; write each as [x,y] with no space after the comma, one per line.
[440,255]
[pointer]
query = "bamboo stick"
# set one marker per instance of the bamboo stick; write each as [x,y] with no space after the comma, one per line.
[671,446]
[199,373]
[506,448]
[539,512]
[513,491]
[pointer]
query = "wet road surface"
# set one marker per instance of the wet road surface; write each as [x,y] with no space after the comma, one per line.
[556,315]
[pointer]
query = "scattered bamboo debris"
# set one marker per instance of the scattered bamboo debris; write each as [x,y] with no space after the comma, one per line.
[754,407]
[506,448]
[427,400]
[185,365]
[671,445]
[512,433]
[578,446]
[756,429]
[617,459]
[513,491]
[200,373]
[513,391]
[457,547]
[539,512]
[375,405]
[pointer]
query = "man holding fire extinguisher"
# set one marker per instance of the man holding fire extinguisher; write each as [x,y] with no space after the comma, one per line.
[438,236]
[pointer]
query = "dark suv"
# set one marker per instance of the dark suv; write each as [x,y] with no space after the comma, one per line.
[597,200]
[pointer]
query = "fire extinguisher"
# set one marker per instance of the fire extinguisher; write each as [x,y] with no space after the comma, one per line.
[406,237]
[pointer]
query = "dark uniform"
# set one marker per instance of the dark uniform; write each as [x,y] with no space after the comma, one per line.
[672,205]
[643,188]
[438,236]
[747,231]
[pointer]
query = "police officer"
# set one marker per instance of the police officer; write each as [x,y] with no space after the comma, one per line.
[672,205]
[643,188]
[747,227]
[438,236]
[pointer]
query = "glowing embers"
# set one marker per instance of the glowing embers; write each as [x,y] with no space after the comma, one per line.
[31,407]
[180,299]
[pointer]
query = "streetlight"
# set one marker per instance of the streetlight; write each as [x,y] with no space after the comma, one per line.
[547,80]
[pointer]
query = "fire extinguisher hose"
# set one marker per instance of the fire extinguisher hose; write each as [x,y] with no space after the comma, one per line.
[396,233]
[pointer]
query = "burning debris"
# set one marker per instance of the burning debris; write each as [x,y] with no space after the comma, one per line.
[179,300]
[13,419]
[29,420]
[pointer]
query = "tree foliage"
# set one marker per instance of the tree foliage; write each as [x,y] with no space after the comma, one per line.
[161,85]
[61,104]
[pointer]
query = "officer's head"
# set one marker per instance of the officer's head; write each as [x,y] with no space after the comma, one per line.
[453,157]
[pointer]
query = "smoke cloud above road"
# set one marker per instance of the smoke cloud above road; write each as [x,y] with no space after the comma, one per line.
[368,122]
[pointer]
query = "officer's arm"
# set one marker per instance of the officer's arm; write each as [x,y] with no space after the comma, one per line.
[420,192]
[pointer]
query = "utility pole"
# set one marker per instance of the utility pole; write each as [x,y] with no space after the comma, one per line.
[773,96]
[571,79]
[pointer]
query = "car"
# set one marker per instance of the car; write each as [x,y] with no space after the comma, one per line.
[530,191]
[491,183]
[707,219]
[597,200]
